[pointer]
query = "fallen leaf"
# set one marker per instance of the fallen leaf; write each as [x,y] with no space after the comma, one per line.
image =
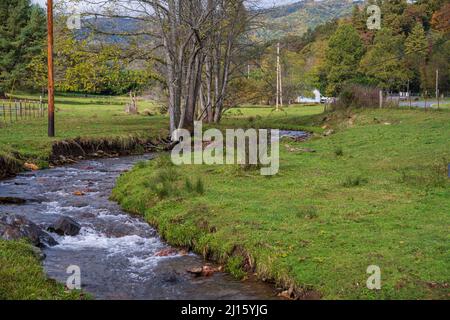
[288,294]
[196,271]
[205,271]
[31,166]
[183,252]
[166,252]
[79,193]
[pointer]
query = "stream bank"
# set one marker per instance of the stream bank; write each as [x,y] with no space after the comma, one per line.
[70,151]
[119,256]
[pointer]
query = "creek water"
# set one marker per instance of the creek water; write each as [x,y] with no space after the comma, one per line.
[116,253]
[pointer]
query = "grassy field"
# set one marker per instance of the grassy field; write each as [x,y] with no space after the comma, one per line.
[374,193]
[22,276]
[78,116]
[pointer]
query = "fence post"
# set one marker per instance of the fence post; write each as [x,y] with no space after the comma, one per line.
[381,99]
[426,93]
[410,101]
[10,112]
[15,110]
[41,111]
[4,112]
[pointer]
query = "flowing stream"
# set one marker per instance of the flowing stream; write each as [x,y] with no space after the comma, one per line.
[116,253]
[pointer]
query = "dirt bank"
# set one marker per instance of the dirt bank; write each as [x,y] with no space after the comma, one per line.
[73,150]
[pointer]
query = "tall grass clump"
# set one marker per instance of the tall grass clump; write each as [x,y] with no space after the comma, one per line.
[163,180]
[351,182]
[198,187]
[339,152]
[433,175]
[9,165]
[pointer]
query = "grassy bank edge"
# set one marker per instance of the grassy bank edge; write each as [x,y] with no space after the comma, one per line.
[22,276]
[237,259]
[12,163]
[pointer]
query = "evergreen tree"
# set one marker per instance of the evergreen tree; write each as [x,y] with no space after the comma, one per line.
[359,20]
[22,35]
[416,45]
[392,14]
[416,51]
[345,50]
[383,64]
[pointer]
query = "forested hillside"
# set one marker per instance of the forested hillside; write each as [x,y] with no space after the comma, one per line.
[412,44]
[297,18]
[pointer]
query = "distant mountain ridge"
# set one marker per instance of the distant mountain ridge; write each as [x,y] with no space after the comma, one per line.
[285,20]
[298,17]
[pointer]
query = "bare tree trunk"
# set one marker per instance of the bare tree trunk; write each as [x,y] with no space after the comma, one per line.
[225,75]
[209,79]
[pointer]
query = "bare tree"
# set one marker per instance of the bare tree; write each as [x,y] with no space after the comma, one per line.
[197,39]
[230,21]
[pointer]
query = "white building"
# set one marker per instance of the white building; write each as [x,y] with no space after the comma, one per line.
[317,98]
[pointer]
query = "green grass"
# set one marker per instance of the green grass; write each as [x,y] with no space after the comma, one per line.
[445,106]
[92,117]
[22,276]
[78,116]
[374,193]
[295,117]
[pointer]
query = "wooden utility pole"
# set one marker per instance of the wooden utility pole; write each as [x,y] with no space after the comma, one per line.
[281,88]
[279,82]
[278,78]
[51,88]
[409,96]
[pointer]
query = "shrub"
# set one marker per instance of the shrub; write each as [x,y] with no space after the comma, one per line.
[357,96]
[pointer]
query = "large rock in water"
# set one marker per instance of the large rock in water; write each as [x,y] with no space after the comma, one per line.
[12,200]
[65,226]
[16,227]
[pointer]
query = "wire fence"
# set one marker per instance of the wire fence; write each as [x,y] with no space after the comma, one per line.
[18,110]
